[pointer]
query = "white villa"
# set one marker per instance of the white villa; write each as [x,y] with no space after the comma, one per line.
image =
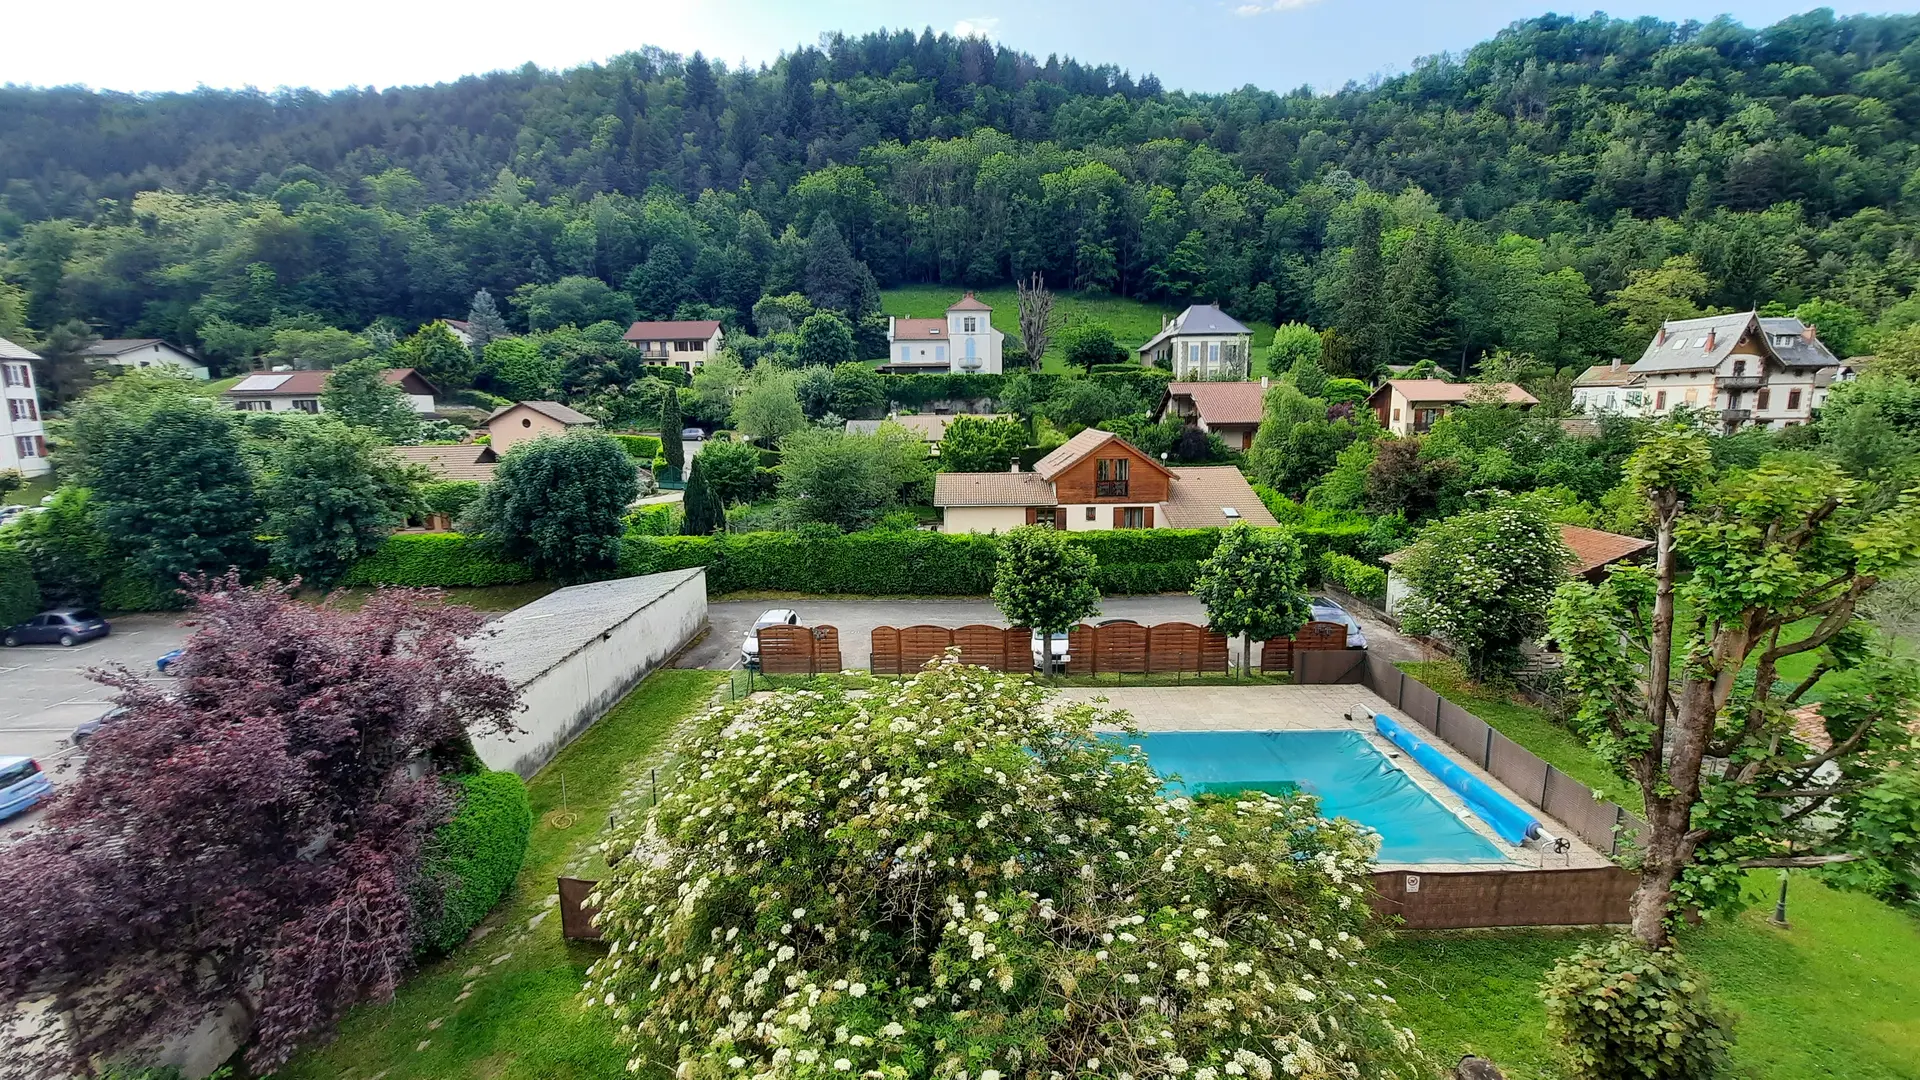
[1750,370]
[963,341]
[23,441]
[1201,342]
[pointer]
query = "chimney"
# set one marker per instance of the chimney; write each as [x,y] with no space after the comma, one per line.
[1265,382]
[1808,335]
[1616,363]
[1661,337]
[1016,465]
[1711,335]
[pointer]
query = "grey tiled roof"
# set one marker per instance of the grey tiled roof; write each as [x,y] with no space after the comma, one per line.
[1198,319]
[1798,353]
[1684,344]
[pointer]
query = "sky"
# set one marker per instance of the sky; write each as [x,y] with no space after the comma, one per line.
[1202,45]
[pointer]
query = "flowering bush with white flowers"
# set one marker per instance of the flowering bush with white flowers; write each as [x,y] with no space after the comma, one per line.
[953,878]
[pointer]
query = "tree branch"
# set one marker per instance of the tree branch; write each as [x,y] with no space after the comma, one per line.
[1790,861]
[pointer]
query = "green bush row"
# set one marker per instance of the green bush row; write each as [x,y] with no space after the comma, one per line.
[19,596]
[640,447]
[1359,578]
[472,860]
[450,497]
[872,563]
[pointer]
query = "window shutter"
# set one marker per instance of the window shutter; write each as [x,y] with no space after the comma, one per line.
[1033,516]
[1148,515]
[1060,518]
[1119,517]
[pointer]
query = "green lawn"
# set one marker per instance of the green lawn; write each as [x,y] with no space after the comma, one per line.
[522,1018]
[1837,994]
[482,597]
[30,492]
[1132,321]
[1527,725]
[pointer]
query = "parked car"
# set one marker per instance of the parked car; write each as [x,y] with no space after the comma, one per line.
[87,730]
[165,664]
[692,434]
[1325,610]
[1060,656]
[750,648]
[22,785]
[65,626]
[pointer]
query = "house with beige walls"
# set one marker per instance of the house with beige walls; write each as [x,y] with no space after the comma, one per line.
[525,421]
[685,343]
[1231,410]
[1744,370]
[1411,406]
[1096,481]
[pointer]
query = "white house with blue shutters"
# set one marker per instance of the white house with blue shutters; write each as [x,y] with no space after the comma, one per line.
[964,341]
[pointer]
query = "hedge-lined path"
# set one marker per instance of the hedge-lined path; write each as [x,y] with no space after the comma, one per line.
[506,1005]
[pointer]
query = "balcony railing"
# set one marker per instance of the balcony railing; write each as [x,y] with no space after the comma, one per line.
[1736,416]
[1738,382]
[1109,489]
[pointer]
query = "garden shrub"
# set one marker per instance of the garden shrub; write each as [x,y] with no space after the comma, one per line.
[964,879]
[639,447]
[434,560]
[1356,577]
[450,497]
[19,596]
[1622,1011]
[473,859]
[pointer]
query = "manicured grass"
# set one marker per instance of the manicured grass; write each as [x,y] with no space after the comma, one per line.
[1132,321]
[1837,994]
[523,1018]
[1527,725]
[485,597]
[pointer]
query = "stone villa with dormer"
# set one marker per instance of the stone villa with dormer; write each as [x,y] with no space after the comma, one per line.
[964,341]
[1743,370]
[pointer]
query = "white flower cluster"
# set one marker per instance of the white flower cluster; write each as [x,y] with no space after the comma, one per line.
[951,875]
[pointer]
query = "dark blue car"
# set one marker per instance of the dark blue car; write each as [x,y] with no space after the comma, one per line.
[63,626]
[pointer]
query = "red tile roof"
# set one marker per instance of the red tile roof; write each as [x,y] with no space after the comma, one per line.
[1594,549]
[1223,402]
[1441,390]
[919,329]
[661,331]
[969,302]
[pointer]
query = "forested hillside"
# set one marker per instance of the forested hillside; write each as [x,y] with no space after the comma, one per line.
[1549,192]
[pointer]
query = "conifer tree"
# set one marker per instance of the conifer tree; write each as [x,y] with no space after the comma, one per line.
[484,323]
[704,514]
[670,424]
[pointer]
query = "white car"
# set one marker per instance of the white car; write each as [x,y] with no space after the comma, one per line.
[1059,651]
[750,648]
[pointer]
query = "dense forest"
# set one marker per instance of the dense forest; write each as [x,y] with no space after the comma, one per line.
[1548,193]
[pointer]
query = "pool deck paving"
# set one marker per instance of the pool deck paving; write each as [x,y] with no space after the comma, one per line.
[1326,708]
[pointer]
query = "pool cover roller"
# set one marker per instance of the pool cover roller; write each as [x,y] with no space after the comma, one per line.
[1514,825]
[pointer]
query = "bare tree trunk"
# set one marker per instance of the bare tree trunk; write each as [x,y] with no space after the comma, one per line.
[1036,318]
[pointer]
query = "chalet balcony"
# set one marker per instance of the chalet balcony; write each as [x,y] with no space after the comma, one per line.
[1736,383]
[1735,417]
[1109,489]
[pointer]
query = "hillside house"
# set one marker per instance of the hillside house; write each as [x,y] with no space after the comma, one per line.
[1231,410]
[1201,342]
[525,421]
[1097,480]
[23,440]
[963,340]
[1411,406]
[1744,369]
[684,344]
[1609,389]
[301,391]
[132,354]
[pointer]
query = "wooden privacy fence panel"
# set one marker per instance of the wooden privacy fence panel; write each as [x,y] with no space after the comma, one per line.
[1278,654]
[576,918]
[799,650]
[999,648]
[903,650]
[1127,648]
[1459,901]
[1177,646]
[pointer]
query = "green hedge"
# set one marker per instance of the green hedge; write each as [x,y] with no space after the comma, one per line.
[1359,578]
[19,596]
[450,497]
[473,859]
[640,447]
[434,560]
[873,563]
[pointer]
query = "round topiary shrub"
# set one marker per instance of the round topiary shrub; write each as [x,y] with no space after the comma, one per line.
[954,875]
[1622,1011]
[472,860]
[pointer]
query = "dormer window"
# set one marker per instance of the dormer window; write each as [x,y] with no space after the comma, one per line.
[931,331]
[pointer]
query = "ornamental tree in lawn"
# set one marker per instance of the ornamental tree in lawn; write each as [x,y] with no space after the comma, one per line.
[1043,582]
[1680,682]
[1254,584]
[332,495]
[250,833]
[1482,582]
[558,504]
[947,876]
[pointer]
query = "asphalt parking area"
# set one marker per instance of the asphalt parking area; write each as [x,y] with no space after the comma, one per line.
[45,692]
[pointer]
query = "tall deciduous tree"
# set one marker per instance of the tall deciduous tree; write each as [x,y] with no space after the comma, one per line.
[1044,582]
[1036,317]
[1679,677]
[359,394]
[332,495]
[1482,581]
[558,504]
[172,487]
[1087,344]
[981,444]
[1254,585]
[826,339]
[251,834]
[1292,343]
[1651,297]
[768,409]
[438,356]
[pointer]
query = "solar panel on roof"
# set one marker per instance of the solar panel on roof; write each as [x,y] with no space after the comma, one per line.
[260,383]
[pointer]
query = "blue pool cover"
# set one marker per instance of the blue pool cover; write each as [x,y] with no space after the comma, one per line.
[1351,779]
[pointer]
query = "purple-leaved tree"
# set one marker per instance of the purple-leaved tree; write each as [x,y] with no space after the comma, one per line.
[253,835]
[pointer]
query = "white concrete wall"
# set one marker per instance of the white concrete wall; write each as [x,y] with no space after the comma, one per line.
[569,695]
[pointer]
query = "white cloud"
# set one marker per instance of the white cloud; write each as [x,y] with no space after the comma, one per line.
[979,26]
[1270,6]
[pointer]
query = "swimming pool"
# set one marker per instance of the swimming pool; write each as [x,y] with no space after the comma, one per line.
[1351,779]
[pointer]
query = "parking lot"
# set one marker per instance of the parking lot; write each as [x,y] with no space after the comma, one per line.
[45,692]
[731,619]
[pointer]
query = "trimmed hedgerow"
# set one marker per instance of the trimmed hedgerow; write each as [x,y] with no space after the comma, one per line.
[639,447]
[472,860]
[434,560]
[871,563]
[19,596]
[1359,578]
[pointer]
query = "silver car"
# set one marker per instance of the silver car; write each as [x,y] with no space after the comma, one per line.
[750,648]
